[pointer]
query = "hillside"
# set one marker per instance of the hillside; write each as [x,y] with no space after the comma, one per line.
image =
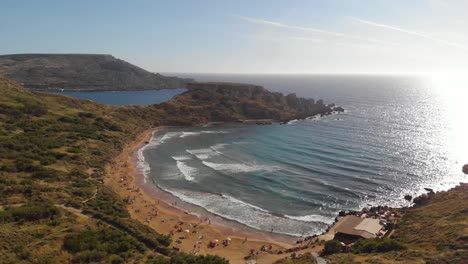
[220,102]
[54,207]
[82,72]
[436,232]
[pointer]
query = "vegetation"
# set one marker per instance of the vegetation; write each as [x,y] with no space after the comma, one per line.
[53,205]
[182,258]
[29,212]
[101,243]
[82,71]
[306,258]
[377,245]
[332,247]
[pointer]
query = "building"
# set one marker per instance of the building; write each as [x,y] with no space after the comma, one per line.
[352,228]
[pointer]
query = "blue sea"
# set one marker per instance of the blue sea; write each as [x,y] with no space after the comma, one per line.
[398,135]
[120,98]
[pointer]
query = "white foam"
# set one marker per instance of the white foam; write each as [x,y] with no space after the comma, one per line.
[168,136]
[238,167]
[247,214]
[214,132]
[292,121]
[181,158]
[188,134]
[312,218]
[218,147]
[186,170]
[142,164]
[203,154]
[232,199]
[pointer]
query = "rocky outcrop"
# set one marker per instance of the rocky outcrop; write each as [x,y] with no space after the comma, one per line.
[221,102]
[465,169]
[82,72]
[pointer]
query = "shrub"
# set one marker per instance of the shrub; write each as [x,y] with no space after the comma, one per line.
[45,174]
[332,247]
[377,245]
[86,115]
[105,242]
[207,259]
[34,108]
[30,212]
[24,164]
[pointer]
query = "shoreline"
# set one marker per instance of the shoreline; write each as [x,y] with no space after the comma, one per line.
[155,208]
[127,179]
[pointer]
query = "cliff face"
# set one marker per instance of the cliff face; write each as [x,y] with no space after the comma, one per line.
[214,102]
[82,72]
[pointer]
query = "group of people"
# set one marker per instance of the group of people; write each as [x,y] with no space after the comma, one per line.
[263,248]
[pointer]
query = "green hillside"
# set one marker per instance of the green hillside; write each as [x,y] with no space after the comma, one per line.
[54,207]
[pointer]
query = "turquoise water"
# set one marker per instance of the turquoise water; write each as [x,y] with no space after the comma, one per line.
[397,136]
[127,97]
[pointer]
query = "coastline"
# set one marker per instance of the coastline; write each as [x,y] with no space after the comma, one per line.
[155,207]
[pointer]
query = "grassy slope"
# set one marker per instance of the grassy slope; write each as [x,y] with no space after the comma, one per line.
[52,154]
[53,205]
[434,233]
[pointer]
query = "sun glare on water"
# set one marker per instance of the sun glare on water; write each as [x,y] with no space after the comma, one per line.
[452,89]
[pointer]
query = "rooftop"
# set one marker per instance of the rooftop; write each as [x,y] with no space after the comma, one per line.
[358,226]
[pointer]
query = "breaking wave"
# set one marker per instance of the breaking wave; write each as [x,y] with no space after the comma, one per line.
[312,218]
[238,167]
[186,170]
[248,214]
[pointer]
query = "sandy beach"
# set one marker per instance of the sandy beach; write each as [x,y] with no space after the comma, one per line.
[190,233]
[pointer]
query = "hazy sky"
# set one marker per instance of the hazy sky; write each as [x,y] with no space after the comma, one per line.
[303,36]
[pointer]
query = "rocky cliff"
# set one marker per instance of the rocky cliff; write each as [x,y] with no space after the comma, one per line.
[82,72]
[214,102]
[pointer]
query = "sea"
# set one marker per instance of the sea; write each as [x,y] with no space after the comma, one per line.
[398,135]
[121,98]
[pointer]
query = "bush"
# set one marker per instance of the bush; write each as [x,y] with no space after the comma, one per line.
[45,174]
[86,115]
[30,212]
[24,164]
[332,247]
[377,245]
[207,259]
[105,242]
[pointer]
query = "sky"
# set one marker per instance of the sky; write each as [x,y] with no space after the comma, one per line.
[247,36]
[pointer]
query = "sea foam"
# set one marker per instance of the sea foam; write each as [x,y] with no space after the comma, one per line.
[203,154]
[186,170]
[248,214]
[238,167]
[312,218]
[142,164]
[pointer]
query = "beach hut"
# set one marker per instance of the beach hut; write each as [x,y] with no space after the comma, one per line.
[354,227]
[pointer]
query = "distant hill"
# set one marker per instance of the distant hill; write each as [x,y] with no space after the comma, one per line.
[90,72]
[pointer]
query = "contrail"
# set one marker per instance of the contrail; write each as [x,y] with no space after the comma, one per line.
[414,33]
[311,29]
